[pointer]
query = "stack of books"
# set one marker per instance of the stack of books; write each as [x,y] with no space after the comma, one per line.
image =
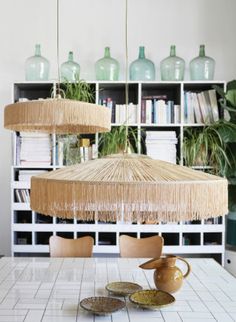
[161,145]
[34,150]
[25,175]
[201,107]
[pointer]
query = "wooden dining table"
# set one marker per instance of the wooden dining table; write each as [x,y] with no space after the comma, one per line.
[34,289]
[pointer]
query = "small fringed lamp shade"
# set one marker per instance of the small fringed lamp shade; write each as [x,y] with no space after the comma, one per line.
[57,115]
[129,187]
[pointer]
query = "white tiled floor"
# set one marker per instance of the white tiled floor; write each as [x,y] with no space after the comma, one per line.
[48,290]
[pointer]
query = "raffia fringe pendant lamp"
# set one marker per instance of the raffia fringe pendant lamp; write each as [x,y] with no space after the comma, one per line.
[57,115]
[130,188]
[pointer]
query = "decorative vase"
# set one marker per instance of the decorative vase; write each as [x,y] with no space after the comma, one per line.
[142,68]
[70,70]
[167,276]
[107,68]
[37,67]
[202,67]
[172,67]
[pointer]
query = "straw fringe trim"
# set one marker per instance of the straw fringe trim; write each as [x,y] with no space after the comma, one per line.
[110,202]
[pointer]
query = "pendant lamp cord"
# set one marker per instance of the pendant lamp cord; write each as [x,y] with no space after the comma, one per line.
[58,90]
[126,77]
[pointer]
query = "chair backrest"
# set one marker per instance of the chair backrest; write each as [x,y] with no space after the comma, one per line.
[64,247]
[148,247]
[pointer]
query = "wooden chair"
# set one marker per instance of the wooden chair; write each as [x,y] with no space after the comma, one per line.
[148,247]
[64,247]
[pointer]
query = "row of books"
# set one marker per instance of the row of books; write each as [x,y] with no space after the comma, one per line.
[120,112]
[158,110]
[22,195]
[161,145]
[201,107]
[33,149]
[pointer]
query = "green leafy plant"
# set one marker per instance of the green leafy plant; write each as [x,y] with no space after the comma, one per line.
[79,91]
[228,99]
[228,103]
[209,146]
[115,141]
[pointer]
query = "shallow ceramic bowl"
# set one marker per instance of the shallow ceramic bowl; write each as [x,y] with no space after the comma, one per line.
[123,288]
[102,305]
[151,299]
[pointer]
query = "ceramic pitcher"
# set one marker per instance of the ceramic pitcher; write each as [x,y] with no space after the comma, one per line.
[167,276]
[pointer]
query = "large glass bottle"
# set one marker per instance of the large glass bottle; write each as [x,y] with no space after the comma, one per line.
[107,68]
[37,67]
[202,67]
[142,68]
[172,67]
[70,70]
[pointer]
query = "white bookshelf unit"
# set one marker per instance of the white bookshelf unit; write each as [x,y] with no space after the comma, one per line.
[31,231]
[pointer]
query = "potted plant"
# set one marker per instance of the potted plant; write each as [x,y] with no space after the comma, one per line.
[70,144]
[117,140]
[208,147]
[228,103]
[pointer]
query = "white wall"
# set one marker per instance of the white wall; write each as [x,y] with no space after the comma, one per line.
[87,26]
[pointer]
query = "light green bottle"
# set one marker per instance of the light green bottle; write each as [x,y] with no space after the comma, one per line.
[107,68]
[142,68]
[37,67]
[172,67]
[202,67]
[70,70]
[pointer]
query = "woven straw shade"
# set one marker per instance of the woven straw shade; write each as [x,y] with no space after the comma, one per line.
[56,115]
[130,188]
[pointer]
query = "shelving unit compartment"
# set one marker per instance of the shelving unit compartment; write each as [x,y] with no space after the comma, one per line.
[22,217]
[22,238]
[42,238]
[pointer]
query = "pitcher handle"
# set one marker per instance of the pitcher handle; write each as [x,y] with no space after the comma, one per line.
[188,266]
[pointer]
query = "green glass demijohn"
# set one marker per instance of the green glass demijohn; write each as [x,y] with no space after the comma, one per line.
[202,67]
[172,67]
[37,67]
[107,68]
[70,70]
[142,68]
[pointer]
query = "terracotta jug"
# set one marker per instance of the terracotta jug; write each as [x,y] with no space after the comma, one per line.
[167,276]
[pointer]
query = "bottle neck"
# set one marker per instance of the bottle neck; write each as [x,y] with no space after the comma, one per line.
[141,53]
[107,52]
[202,51]
[172,51]
[70,56]
[37,50]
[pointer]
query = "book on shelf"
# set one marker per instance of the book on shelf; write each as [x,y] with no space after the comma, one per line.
[161,145]
[25,175]
[118,111]
[156,109]
[200,107]
[22,195]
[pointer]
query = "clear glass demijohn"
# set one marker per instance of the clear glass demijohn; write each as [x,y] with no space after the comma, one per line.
[70,70]
[142,68]
[107,68]
[202,67]
[37,66]
[172,67]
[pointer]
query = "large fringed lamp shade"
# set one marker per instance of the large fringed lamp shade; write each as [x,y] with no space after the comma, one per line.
[57,115]
[129,187]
